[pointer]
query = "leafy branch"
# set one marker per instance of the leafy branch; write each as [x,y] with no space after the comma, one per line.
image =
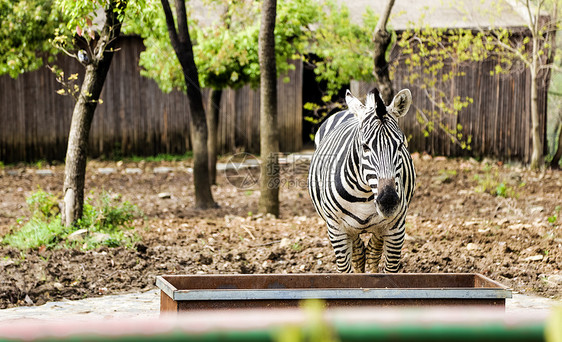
[434,58]
[70,85]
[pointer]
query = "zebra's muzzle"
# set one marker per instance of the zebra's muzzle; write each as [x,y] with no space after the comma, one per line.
[387,199]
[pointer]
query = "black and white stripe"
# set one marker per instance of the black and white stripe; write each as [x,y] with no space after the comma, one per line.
[361,180]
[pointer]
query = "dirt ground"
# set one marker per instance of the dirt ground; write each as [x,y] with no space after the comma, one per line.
[456,223]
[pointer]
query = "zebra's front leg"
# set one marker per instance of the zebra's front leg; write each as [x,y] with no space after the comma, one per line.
[393,243]
[374,253]
[343,246]
[358,255]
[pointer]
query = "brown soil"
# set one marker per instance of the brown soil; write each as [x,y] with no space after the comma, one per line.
[453,226]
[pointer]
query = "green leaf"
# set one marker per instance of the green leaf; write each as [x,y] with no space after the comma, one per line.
[26,29]
[226,51]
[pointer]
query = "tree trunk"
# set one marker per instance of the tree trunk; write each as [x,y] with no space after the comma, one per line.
[213,111]
[198,129]
[77,150]
[381,41]
[269,139]
[181,42]
[537,157]
[555,163]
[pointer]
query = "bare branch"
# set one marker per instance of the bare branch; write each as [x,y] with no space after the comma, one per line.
[381,25]
[73,55]
[551,37]
[551,66]
[440,125]
[530,17]
[551,24]
[421,113]
[512,50]
[381,41]
[90,50]
[431,99]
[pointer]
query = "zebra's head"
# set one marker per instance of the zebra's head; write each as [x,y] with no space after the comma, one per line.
[379,145]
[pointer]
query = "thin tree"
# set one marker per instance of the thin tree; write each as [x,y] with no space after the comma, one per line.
[536,64]
[181,42]
[269,138]
[555,162]
[381,40]
[225,52]
[555,108]
[54,26]
[542,21]
[213,113]
[535,50]
[97,60]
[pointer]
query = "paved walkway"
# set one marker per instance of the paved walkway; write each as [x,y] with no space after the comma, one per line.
[134,305]
[147,305]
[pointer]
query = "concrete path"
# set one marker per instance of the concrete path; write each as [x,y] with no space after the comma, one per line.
[134,305]
[147,305]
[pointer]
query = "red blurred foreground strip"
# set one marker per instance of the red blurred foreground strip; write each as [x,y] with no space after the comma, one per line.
[239,325]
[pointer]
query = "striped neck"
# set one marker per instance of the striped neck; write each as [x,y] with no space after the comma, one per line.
[354,157]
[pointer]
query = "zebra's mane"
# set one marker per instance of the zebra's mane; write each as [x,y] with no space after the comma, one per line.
[380,106]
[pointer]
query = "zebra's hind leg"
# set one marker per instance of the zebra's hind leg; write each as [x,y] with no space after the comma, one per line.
[358,255]
[342,244]
[374,253]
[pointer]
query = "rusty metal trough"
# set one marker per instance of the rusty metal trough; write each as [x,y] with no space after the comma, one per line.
[192,292]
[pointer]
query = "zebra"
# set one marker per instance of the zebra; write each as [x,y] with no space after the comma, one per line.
[361,180]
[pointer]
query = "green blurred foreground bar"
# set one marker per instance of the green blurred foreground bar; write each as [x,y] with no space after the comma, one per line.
[292,325]
[485,332]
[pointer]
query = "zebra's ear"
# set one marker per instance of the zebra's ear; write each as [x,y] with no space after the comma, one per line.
[355,106]
[400,104]
[370,100]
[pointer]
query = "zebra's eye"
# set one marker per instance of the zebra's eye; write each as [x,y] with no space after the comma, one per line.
[366,148]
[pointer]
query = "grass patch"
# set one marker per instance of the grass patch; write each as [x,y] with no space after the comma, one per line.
[38,164]
[162,157]
[554,218]
[36,233]
[496,186]
[446,176]
[105,222]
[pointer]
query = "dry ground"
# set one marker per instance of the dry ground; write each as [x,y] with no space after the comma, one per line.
[456,223]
